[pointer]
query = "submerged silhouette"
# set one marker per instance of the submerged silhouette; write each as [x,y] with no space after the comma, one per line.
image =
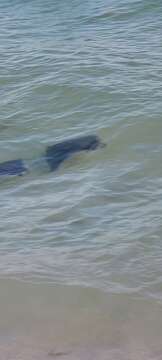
[54,154]
[12,167]
[58,153]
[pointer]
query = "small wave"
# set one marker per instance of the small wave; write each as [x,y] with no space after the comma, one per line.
[125,11]
[102,16]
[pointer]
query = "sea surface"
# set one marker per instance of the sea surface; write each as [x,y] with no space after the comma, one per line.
[90,232]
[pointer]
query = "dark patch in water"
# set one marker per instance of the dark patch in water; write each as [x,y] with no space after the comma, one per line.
[54,155]
[58,153]
[13,167]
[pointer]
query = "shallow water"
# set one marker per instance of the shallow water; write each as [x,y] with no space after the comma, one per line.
[48,322]
[70,68]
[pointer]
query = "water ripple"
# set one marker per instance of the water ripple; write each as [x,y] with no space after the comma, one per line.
[68,69]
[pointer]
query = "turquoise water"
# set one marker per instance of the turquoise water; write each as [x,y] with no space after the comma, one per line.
[70,68]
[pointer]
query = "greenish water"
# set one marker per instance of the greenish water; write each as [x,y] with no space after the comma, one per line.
[70,68]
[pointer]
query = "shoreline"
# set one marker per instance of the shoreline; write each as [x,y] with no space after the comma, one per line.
[47,321]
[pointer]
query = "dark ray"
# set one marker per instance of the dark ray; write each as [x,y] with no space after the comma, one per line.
[58,153]
[12,167]
[54,154]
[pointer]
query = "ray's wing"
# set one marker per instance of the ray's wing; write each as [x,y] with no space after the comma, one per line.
[55,157]
[12,168]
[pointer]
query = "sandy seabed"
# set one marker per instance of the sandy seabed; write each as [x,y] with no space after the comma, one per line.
[44,321]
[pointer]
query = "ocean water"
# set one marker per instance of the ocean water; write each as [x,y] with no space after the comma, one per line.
[70,68]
